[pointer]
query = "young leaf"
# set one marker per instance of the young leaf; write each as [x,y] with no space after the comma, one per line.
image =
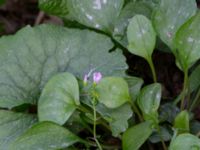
[182,121]
[13,125]
[113,92]
[59,99]
[141,37]
[185,142]
[135,136]
[44,136]
[130,10]
[187,43]
[149,101]
[32,56]
[169,17]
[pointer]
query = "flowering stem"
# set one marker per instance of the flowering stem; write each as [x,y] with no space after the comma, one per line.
[94,127]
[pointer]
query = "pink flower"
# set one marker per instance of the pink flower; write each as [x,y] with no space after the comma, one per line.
[97,76]
[85,79]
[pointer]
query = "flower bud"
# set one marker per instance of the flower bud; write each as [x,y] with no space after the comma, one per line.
[97,77]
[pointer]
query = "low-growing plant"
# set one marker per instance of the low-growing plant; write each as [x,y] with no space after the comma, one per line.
[67,87]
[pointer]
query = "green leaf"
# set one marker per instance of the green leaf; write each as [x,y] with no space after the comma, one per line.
[59,99]
[120,118]
[130,10]
[195,127]
[99,14]
[141,36]
[187,43]
[165,133]
[113,92]
[182,121]
[185,142]
[54,7]
[135,136]
[32,56]
[134,85]
[149,101]
[169,17]
[13,125]
[117,118]
[168,112]
[45,136]
[194,79]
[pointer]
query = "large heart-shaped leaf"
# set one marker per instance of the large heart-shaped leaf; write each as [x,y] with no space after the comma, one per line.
[170,15]
[44,136]
[13,125]
[134,137]
[113,91]
[59,98]
[141,37]
[149,101]
[33,55]
[185,142]
[187,43]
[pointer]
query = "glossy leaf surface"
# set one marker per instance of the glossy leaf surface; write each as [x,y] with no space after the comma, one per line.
[32,56]
[141,36]
[13,125]
[113,91]
[169,17]
[59,99]
[135,136]
[182,121]
[185,142]
[99,14]
[45,136]
[149,101]
[187,43]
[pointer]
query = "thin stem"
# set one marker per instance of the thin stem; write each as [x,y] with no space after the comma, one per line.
[185,87]
[90,143]
[135,109]
[152,69]
[94,127]
[194,102]
[162,141]
[83,109]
